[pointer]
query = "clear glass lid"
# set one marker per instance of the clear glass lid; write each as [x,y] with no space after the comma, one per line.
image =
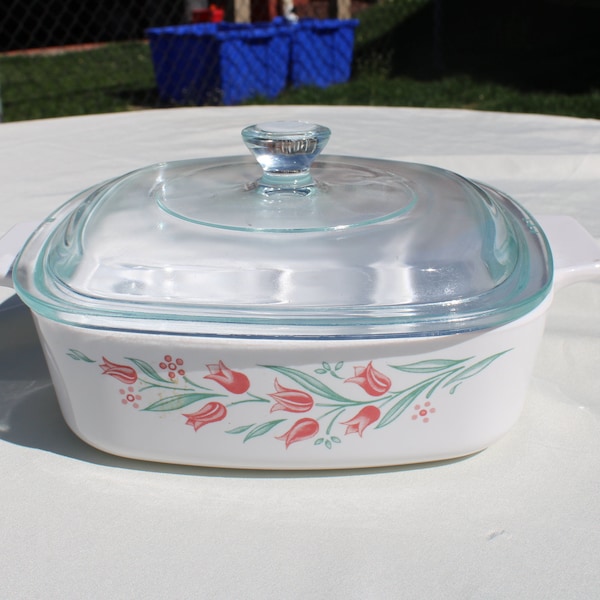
[281,246]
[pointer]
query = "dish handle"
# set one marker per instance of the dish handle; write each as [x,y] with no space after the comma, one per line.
[575,251]
[11,243]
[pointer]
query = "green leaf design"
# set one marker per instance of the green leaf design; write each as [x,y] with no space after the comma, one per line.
[194,384]
[78,355]
[319,441]
[252,398]
[339,365]
[475,369]
[439,379]
[262,429]
[405,401]
[147,369]
[241,429]
[335,439]
[320,371]
[429,366]
[311,384]
[178,401]
[328,444]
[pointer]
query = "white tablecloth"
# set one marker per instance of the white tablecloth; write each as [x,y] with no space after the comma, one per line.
[519,520]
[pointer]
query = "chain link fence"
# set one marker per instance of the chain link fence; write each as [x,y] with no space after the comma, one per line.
[70,57]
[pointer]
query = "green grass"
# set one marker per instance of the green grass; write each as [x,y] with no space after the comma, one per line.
[381,19]
[394,66]
[112,78]
[459,91]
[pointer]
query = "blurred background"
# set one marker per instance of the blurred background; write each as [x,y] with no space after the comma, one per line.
[71,57]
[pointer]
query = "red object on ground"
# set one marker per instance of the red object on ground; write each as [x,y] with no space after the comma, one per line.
[212,14]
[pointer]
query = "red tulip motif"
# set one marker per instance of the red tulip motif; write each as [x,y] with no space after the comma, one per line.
[123,373]
[362,419]
[291,400]
[209,413]
[374,382]
[303,429]
[233,381]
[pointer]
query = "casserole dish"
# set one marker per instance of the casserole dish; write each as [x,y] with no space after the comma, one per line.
[339,313]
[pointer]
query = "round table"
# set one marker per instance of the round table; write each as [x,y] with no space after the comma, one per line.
[518,520]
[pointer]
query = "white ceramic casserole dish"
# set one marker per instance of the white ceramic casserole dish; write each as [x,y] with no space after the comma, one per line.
[351,313]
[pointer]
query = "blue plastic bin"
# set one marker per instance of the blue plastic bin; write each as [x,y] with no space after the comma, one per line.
[210,63]
[322,51]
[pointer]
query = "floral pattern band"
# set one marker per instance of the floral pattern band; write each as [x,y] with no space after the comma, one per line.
[301,405]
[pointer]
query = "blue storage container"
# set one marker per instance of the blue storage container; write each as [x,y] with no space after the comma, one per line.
[322,51]
[210,63]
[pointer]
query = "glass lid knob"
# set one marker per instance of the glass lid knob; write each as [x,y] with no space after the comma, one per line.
[285,150]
